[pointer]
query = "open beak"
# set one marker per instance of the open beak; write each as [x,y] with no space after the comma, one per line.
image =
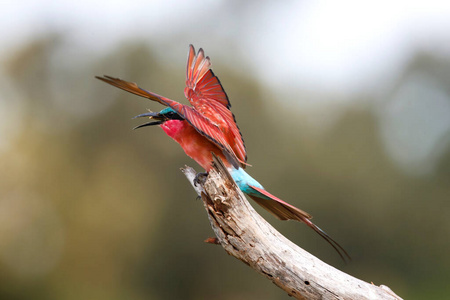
[152,115]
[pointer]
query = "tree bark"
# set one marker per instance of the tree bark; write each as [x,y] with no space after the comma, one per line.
[244,234]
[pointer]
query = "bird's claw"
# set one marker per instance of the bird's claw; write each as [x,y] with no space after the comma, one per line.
[200,178]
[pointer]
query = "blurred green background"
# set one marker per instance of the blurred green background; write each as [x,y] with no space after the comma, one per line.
[90,209]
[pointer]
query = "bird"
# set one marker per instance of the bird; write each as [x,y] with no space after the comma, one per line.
[208,126]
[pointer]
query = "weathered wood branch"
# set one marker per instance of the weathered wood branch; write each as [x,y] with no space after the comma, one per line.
[244,234]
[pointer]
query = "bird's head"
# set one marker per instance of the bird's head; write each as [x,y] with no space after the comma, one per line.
[159,117]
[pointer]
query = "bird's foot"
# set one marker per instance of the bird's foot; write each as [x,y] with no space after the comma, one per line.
[200,178]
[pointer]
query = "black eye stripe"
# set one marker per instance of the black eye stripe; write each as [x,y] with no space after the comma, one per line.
[173,116]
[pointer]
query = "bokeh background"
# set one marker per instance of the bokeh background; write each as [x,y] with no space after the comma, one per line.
[345,111]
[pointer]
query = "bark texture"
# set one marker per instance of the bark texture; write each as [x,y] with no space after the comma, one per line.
[244,234]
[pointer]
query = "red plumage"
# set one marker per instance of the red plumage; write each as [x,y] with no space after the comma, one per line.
[210,113]
[209,126]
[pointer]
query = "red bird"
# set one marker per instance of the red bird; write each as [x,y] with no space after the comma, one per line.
[210,126]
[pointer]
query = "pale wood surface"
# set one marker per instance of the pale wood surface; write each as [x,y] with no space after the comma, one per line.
[244,234]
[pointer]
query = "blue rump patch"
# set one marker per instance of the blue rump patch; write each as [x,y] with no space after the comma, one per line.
[243,181]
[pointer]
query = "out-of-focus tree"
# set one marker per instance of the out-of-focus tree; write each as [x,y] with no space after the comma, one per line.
[90,209]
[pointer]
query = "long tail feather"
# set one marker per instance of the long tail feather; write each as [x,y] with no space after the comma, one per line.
[341,251]
[285,211]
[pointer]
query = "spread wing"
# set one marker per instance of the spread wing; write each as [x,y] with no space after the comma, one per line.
[206,94]
[135,89]
[210,114]
[202,124]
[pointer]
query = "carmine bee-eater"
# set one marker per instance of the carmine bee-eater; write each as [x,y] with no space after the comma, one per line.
[209,126]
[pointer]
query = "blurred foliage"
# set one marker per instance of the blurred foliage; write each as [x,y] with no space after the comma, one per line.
[90,209]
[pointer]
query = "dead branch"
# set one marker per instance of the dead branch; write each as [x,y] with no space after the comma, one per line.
[244,234]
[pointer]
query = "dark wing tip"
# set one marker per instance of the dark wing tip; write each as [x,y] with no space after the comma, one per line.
[101,77]
[191,50]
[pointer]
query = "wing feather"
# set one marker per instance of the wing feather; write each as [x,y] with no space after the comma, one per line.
[135,89]
[207,96]
[131,87]
[210,114]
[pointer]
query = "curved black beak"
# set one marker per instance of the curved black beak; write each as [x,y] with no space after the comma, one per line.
[151,115]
